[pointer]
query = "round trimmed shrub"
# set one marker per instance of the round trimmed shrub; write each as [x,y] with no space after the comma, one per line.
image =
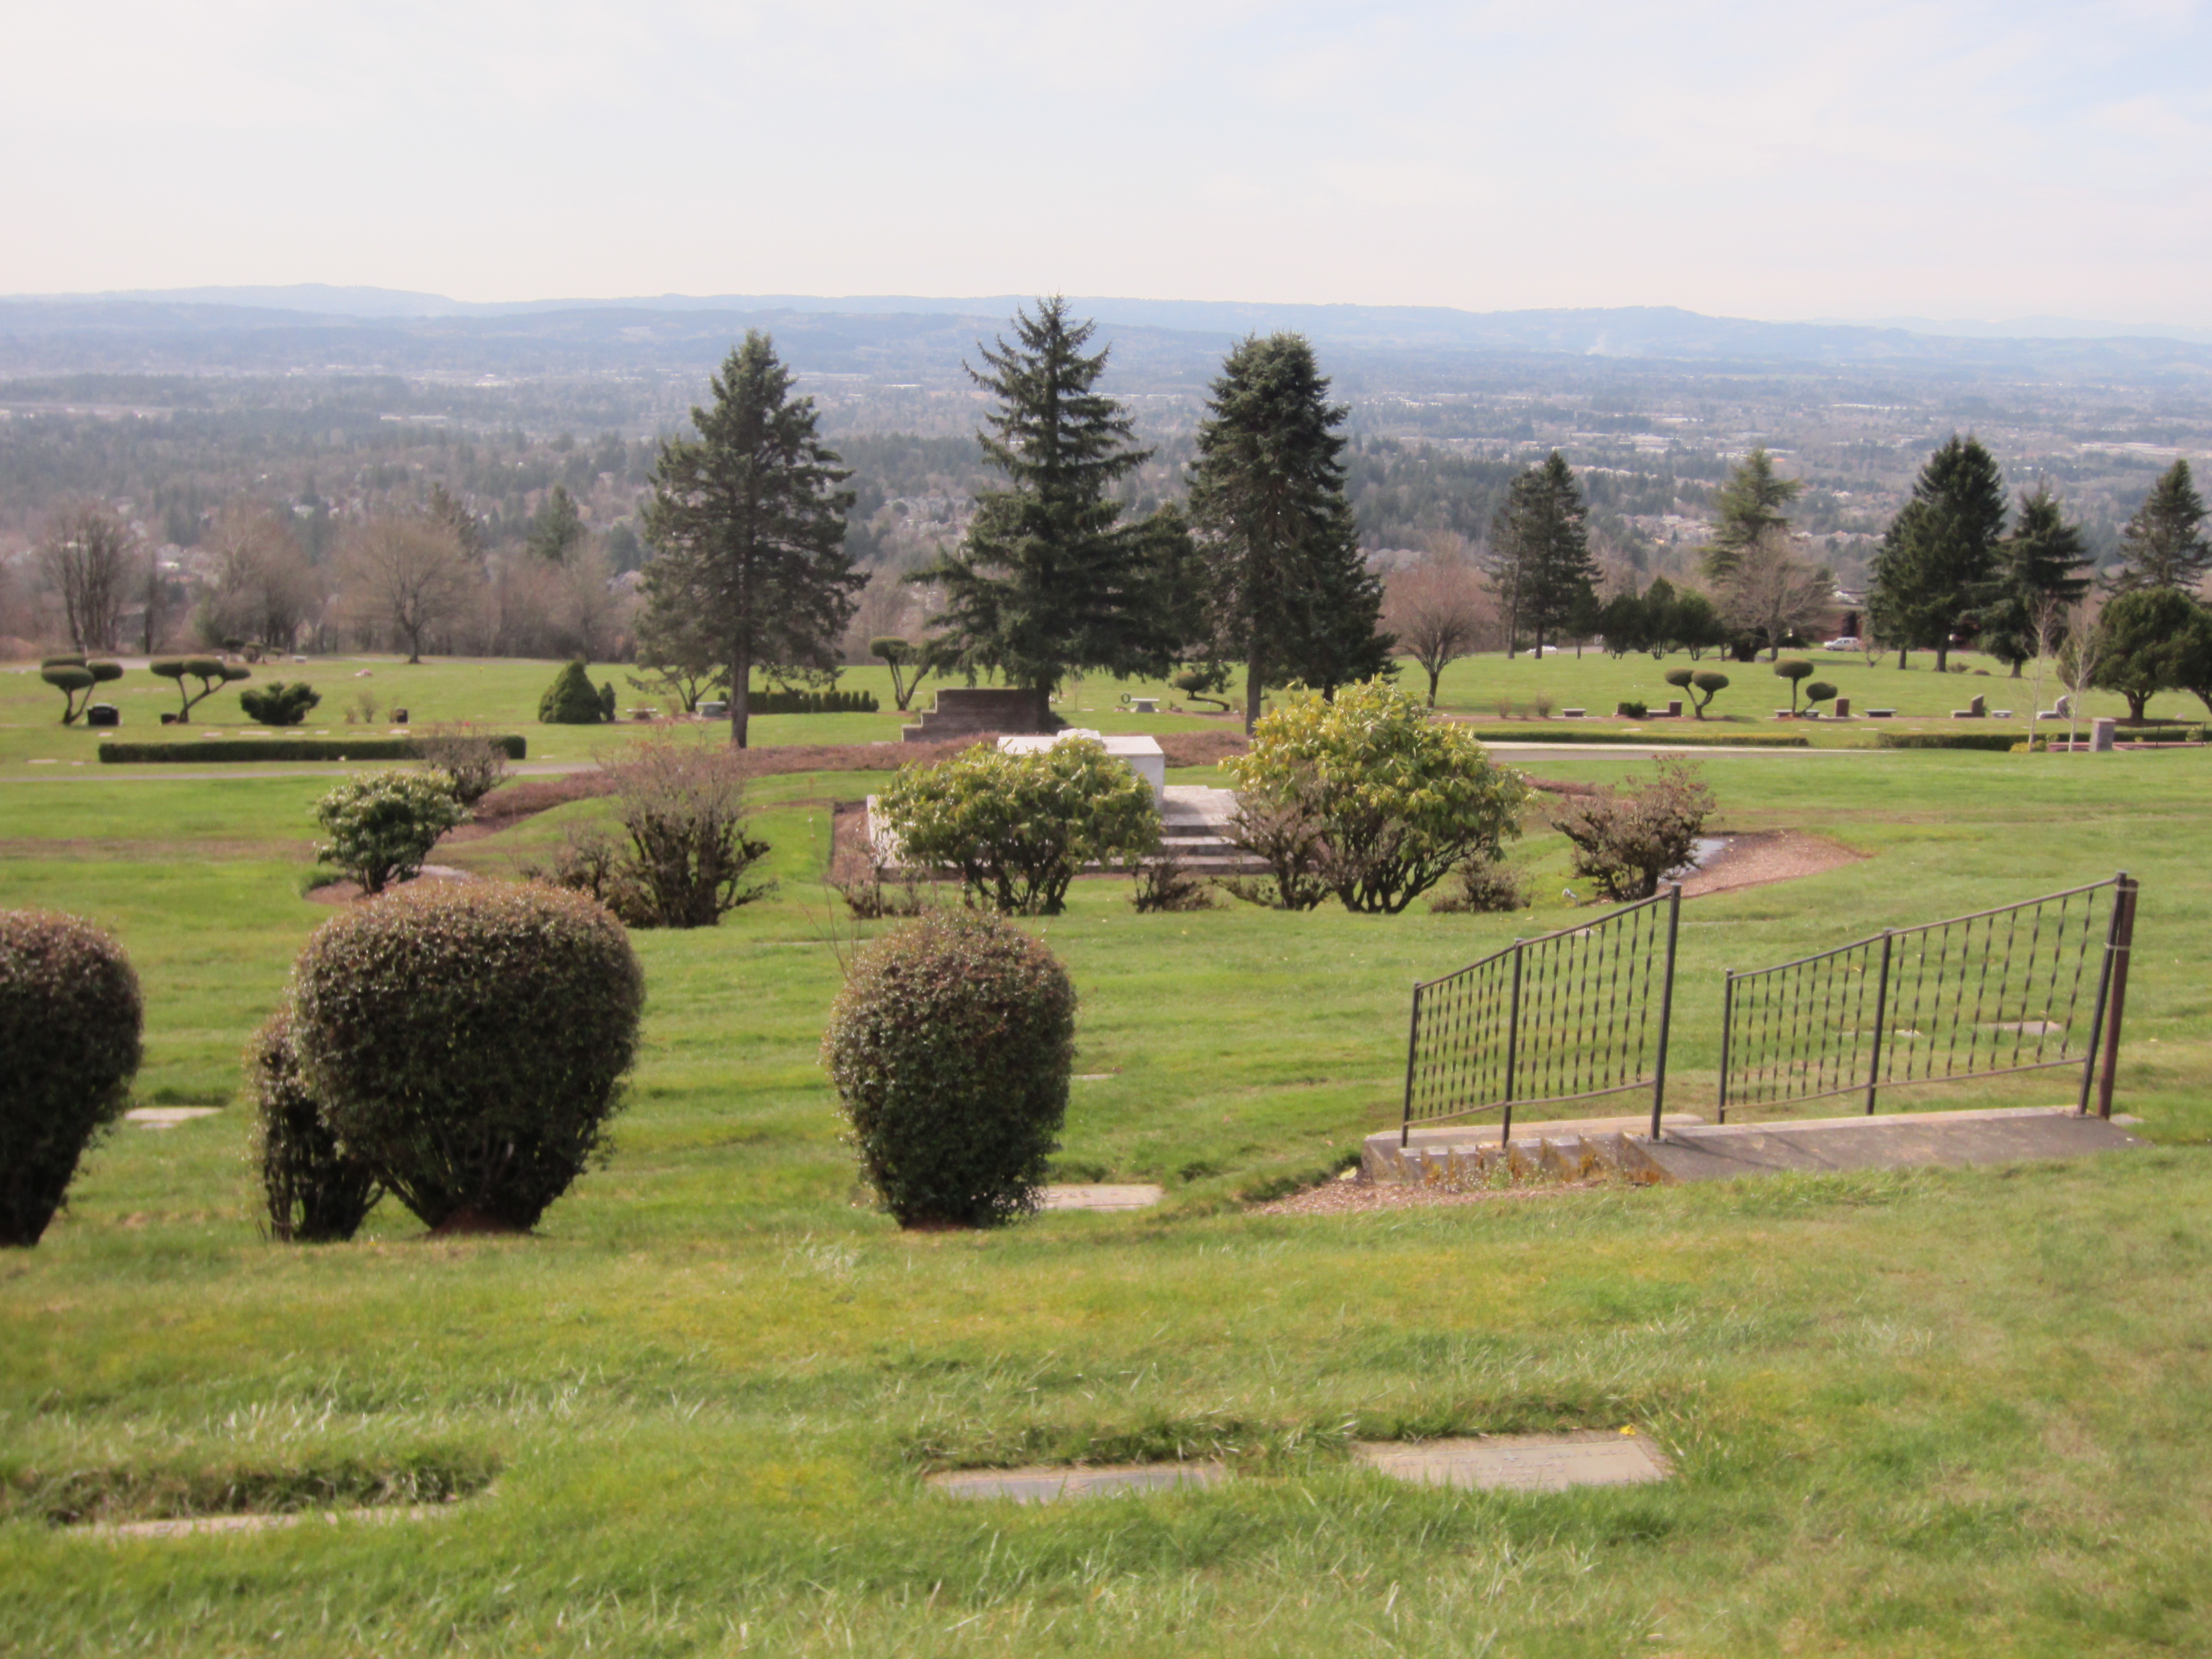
[469,1042]
[383,825]
[69,1019]
[571,700]
[317,1189]
[950,1045]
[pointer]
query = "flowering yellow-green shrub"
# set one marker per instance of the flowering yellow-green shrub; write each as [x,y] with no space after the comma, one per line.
[1367,798]
[1016,827]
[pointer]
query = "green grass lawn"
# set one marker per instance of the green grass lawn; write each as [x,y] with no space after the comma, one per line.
[503,694]
[1922,1413]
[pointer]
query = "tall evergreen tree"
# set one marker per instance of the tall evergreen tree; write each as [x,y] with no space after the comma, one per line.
[1293,599]
[1541,557]
[1939,551]
[557,528]
[2164,544]
[749,521]
[1747,506]
[2038,574]
[1050,579]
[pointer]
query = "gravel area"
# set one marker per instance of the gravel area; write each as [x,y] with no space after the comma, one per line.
[1753,859]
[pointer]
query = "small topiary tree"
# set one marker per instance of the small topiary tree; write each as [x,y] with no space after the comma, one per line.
[1695,682]
[1204,683]
[571,700]
[468,1043]
[1019,827]
[317,1191]
[908,665]
[383,825]
[212,673]
[1793,669]
[69,1020]
[950,1047]
[279,704]
[1819,692]
[75,678]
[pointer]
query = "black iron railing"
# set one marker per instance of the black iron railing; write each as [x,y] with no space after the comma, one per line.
[2023,987]
[1574,1014]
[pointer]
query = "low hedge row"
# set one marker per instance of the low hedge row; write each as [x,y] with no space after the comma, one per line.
[812,703]
[1574,732]
[281,749]
[1998,742]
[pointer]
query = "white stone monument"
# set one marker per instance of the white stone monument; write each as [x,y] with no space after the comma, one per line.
[1140,755]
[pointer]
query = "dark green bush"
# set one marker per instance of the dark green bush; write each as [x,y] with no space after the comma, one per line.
[950,1045]
[69,1019]
[468,1041]
[289,749]
[1999,742]
[812,702]
[316,1190]
[571,700]
[279,704]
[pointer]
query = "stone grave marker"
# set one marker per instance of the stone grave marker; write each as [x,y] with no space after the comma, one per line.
[1049,1485]
[1520,1463]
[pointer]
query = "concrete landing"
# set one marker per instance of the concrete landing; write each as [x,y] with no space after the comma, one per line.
[1898,1140]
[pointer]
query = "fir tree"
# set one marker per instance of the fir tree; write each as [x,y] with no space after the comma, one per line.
[1049,580]
[557,528]
[1293,600]
[749,521]
[2036,578]
[1541,557]
[1940,549]
[1749,506]
[2164,544]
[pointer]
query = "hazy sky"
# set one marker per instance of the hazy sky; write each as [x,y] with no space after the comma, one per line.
[1948,159]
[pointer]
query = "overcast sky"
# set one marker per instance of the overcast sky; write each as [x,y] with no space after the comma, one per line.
[1950,159]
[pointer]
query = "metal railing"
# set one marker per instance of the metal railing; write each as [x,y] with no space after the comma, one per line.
[1573,1015]
[1989,994]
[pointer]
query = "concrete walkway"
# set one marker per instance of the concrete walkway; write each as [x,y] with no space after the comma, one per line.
[1899,1140]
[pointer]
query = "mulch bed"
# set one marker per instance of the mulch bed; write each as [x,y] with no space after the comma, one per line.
[1363,1197]
[1754,859]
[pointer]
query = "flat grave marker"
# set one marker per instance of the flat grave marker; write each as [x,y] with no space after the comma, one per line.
[1048,1485]
[1520,1463]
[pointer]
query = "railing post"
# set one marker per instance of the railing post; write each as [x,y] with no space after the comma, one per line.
[1880,1013]
[1666,1006]
[2123,935]
[1728,1023]
[1512,1043]
[1413,1052]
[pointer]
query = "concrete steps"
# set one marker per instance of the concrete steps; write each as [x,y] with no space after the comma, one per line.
[1690,1149]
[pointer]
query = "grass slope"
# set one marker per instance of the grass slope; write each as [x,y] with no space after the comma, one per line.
[1918,1413]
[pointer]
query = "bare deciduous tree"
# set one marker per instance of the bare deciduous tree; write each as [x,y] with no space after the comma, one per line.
[408,573]
[1440,610]
[1773,590]
[87,556]
[263,588]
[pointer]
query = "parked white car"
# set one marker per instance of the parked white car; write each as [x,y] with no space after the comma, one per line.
[1843,642]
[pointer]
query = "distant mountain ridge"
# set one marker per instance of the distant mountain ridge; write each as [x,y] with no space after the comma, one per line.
[360,330]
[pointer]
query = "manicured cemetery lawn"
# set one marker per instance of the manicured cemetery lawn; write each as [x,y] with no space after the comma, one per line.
[1920,1414]
[502,694]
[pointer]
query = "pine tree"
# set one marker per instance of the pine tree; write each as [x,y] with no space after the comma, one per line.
[557,528]
[1049,580]
[2164,544]
[1292,597]
[748,522]
[1749,506]
[2035,578]
[1939,551]
[1541,557]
